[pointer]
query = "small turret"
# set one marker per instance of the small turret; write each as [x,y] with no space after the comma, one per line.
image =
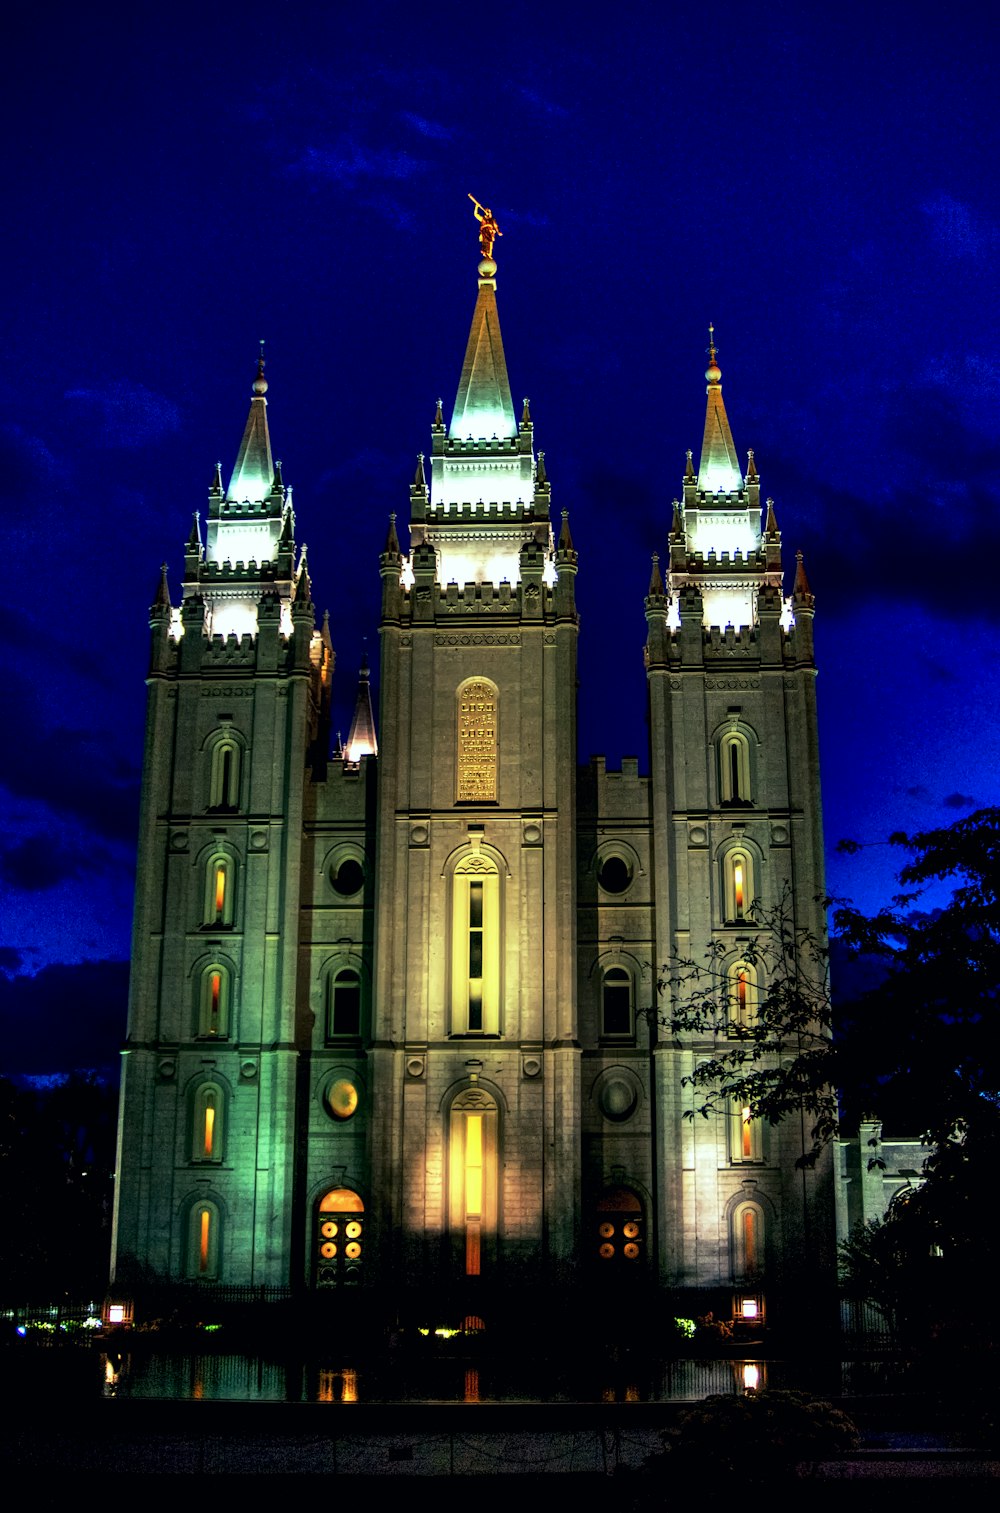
[361,740]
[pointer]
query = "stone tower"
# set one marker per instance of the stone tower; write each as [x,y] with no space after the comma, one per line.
[476,1147]
[237,713]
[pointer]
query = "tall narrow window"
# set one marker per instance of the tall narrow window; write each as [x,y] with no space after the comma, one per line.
[213,1001]
[343,1013]
[734,769]
[473,1164]
[745,1136]
[743,995]
[475,953]
[224,787]
[616,1003]
[738,885]
[208,1110]
[220,876]
[204,1242]
[748,1235]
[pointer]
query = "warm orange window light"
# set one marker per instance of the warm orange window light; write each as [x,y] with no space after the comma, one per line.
[474,1166]
[741,996]
[216,1002]
[204,1237]
[220,892]
[747,1134]
[750,1239]
[738,885]
[209,1127]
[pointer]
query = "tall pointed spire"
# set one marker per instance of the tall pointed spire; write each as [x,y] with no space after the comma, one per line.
[361,738]
[483,406]
[253,474]
[719,468]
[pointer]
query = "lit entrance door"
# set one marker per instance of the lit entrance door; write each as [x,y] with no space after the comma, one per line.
[339,1238]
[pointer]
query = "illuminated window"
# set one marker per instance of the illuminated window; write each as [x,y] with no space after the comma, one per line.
[738,885]
[220,889]
[475,955]
[616,1003]
[748,1242]
[208,1122]
[339,1240]
[618,1236]
[224,786]
[745,1136]
[342,1099]
[473,1164]
[743,995]
[343,1005]
[734,769]
[213,1001]
[204,1239]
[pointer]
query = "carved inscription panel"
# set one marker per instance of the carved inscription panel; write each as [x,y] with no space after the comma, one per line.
[477,742]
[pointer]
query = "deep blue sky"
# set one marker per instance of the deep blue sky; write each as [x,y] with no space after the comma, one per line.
[181,182]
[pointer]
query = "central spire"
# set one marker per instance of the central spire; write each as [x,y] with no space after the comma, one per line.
[719,468]
[483,406]
[253,474]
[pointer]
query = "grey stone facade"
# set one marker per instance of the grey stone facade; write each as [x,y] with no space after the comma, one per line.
[394,1017]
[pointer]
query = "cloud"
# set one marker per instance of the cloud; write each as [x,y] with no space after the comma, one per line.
[34,864]
[959,801]
[28,464]
[918,791]
[960,229]
[548,107]
[70,771]
[127,414]
[64,1017]
[347,161]
[427,128]
[11,960]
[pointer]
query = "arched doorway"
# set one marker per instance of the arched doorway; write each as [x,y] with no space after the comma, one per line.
[338,1248]
[618,1231]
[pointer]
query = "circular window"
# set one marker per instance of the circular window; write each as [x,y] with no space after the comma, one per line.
[347,876]
[342,1098]
[618,1099]
[606,1231]
[606,1252]
[614,874]
[631,1252]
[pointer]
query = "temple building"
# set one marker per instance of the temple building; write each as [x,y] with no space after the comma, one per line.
[390,1017]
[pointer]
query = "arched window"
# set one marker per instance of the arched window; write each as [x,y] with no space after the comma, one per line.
[476,742]
[747,1242]
[204,1241]
[746,1144]
[343,1003]
[214,993]
[208,1123]
[339,1241]
[734,769]
[475,947]
[220,890]
[616,1003]
[743,995]
[738,884]
[619,1230]
[472,1166]
[224,784]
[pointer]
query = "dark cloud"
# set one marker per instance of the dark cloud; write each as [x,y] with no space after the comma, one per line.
[959,801]
[74,772]
[64,1017]
[34,864]
[960,229]
[11,960]
[347,161]
[918,791]
[126,414]
[427,128]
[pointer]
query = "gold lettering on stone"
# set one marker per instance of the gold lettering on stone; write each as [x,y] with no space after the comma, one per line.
[477,742]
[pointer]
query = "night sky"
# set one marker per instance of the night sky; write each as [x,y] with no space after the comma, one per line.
[181,182]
